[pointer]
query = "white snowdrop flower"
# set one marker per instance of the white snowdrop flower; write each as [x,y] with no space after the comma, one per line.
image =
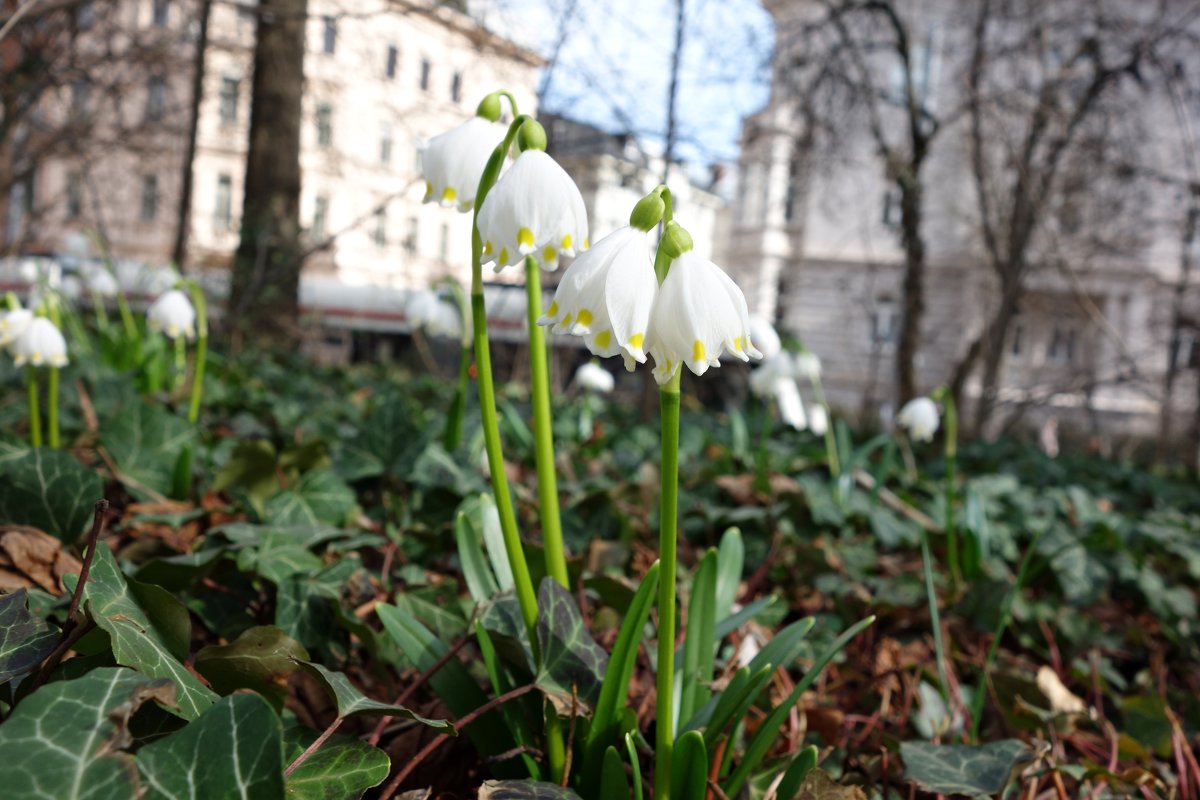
[605,296]
[791,406]
[698,314]
[172,313]
[920,418]
[13,324]
[431,313]
[534,209]
[41,344]
[808,366]
[72,288]
[818,420]
[595,378]
[765,337]
[453,162]
[102,282]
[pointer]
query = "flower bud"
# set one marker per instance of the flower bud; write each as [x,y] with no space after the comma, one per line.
[532,136]
[648,212]
[676,241]
[490,108]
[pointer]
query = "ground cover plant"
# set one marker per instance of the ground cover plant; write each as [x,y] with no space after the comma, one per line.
[250,575]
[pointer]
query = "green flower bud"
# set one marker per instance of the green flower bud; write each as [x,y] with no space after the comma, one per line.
[489,107]
[675,240]
[532,136]
[648,212]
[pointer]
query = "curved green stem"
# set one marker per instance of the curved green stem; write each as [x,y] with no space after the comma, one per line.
[35,414]
[556,559]
[667,524]
[939,646]
[453,432]
[52,381]
[831,451]
[201,351]
[131,328]
[951,420]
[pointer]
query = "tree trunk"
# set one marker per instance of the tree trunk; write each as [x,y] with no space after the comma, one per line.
[1191,223]
[184,216]
[914,286]
[992,352]
[266,272]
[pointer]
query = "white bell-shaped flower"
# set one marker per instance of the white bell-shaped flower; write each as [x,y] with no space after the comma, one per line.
[102,282]
[808,366]
[920,418]
[13,324]
[534,209]
[605,296]
[41,344]
[818,420]
[173,314]
[790,404]
[453,162]
[765,337]
[595,378]
[698,314]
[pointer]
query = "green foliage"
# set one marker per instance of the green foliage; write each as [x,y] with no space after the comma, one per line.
[958,769]
[25,638]
[262,659]
[343,767]
[50,490]
[145,442]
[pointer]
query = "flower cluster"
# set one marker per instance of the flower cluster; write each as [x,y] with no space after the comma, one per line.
[779,377]
[32,340]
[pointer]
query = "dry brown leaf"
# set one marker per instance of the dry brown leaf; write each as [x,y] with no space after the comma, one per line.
[1062,700]
[30,558]
[818,785]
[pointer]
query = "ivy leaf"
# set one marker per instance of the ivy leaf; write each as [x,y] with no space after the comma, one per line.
[252,470]
[66,740]
[524,790]
[391,434]
[962,769]
[233,749]
[49,489]
[11,448]
[343,767]
[571,659]
[319,496]
[137,641]
[145,442]
[25,638]
[352,703]
[262,659]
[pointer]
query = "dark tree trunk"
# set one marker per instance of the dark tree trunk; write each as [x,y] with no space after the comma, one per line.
[184,217]
[914,287]
[266,273]
[992,352]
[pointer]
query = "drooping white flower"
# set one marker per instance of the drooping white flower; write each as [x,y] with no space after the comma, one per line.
[791,406]
[40,344]
[173,314]
[698,314]
[808,365]
[13,324]
[534,209]
[453,162]
[428,311]
[102,282]
[765,337]
[606,295]
[595,378]
[920,418]
[818,420]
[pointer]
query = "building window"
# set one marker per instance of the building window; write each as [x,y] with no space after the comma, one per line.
[324,125]
[885,322]
[425,68]
[456,87]
[149,197]
[74,195]
[380,236]
[320,213]
[156,98]
[229,99]
[444,243]
[410,241]
[330,34]
[162,9]
[792,197]
[1062,346]
[223,209]
[385,144]
[393,60]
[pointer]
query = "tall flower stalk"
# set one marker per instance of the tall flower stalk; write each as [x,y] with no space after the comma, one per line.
[453,432]
[54,313]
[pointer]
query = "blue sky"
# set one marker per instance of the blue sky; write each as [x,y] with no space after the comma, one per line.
[613,65]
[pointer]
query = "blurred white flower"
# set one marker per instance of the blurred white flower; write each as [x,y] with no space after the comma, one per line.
[173,314]
[765,337]
[102,282]
[595,378]
[40,344]
[157,280]
[13,324]
[818,420]
[698,314]
[920,418]
[808,365]
[534,209]
[605,296]
[453,162]
[436,316]
[72,287]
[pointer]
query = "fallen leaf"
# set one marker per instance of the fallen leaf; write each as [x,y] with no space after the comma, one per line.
[30,558]
[819,786]
[1062,700]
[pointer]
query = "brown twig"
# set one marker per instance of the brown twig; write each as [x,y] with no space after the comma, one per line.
[715,789]
[63,648]
[403,697]
[98,520]
[312,748]
[390,790]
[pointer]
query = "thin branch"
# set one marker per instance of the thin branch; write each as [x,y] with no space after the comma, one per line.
[312,748]
[98,520]
[412,687]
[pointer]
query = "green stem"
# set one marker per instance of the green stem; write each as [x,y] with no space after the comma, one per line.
[934,617]
[180,345]
[951,420]
[1001,625]
[52,381]
[453,433]
[556,559]
[101,312]
[831,451]
[201,352]
[131,329]
[35,415]
[667,522]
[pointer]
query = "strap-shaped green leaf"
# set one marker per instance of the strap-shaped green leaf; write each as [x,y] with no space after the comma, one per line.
[614,785]
[804,761]
[731,560]
[699,643]
[481,583]
[689,767]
